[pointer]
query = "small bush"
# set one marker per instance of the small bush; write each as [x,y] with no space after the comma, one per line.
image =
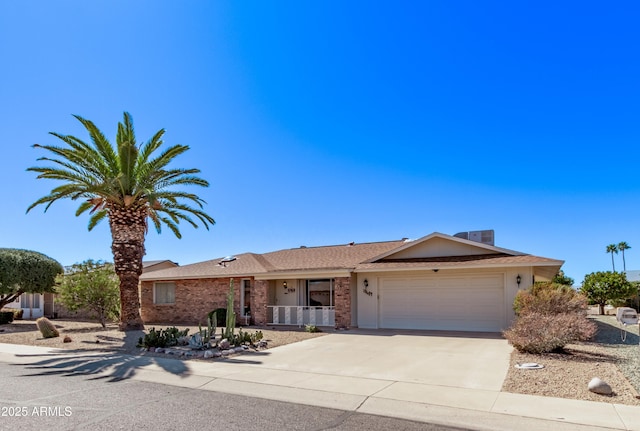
[17,312]
[311,328]
[6,317]
[46,328]
[550,316]
[538,333]
[549,298]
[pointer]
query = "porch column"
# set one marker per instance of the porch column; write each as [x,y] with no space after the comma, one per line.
[342,291]
[259,295]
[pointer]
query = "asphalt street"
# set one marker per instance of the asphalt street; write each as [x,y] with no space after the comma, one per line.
[39,398]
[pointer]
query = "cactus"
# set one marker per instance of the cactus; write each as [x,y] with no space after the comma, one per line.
[212,318]
[46,328]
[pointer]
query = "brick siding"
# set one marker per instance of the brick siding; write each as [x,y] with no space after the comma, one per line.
[259,298]
[194,299]
[342,287]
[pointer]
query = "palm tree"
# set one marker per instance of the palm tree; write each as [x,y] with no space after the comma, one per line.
[612,248]
[129,185]
[622,246]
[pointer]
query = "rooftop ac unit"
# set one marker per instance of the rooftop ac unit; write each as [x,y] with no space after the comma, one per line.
[482,236]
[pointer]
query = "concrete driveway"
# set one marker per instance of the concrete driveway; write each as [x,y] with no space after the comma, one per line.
[454,359]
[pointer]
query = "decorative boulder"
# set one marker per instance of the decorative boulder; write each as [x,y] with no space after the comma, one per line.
[224,344]
[599,387]
[208,354]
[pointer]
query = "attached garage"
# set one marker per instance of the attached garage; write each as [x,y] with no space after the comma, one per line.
[457,303]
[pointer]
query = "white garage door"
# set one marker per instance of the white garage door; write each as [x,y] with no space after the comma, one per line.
[469,303]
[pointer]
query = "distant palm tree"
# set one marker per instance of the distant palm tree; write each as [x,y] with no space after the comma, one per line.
[612,248]
[128,184]
[622,246]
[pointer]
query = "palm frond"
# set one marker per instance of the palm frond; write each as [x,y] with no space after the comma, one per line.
[84,206]
[96,218]
[102,144]
[173,227]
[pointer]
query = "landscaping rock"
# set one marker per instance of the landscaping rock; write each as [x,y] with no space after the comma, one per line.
[600,387]
[238,350]
[159,350]
[224,344]
[208,354]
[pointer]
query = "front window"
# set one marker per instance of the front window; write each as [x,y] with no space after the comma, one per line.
[164,293]
[30,300]
[319,293]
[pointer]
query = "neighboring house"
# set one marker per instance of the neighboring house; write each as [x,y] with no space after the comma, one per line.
[437,282]
[633,275]
[155,265]
[34,305]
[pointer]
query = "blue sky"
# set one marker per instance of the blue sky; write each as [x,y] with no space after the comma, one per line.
[329,122]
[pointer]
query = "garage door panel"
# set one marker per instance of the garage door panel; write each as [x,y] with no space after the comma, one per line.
[452,303]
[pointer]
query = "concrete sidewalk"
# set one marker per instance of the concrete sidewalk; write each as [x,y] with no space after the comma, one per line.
[470,408]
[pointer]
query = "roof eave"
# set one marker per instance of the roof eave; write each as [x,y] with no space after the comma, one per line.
[437,266]
[305,273]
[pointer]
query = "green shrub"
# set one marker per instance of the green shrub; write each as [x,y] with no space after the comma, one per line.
[6,317]
[46,328]
[17,312]
[311,328]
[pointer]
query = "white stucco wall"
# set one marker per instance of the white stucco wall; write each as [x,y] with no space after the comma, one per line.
[435,247]
[289,298]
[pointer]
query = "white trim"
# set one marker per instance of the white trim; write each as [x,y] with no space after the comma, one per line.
[435,265]
[304,275]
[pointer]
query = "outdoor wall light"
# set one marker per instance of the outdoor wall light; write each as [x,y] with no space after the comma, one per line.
[284,284]
[518,280]
[366,290]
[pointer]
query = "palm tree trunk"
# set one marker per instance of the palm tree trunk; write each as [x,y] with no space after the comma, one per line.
[128,229]
[613,263]
[624,264]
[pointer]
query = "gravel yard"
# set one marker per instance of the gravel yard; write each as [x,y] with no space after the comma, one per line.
[91,336]
[566,375]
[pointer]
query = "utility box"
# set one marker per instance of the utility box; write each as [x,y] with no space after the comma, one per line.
[627,316]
